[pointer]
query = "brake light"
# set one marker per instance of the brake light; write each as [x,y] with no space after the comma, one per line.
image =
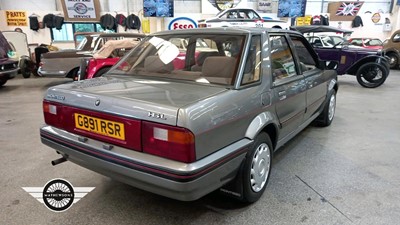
[52,114]
[169,142]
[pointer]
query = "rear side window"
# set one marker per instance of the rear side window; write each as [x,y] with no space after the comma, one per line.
[253,62]
[282,63]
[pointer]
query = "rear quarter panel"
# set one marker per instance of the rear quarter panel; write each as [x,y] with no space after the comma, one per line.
[222,119]
[59,66]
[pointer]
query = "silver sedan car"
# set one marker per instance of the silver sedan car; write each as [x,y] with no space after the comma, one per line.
[183,122]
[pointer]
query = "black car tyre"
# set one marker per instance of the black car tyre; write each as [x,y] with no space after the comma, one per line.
[24,67]
[257,168]
[26,73]
[328,113]
[372,75]
[2,82]
[74,73]
[393,60]
[102,71]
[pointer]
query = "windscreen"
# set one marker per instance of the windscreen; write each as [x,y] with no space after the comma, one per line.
[202,58]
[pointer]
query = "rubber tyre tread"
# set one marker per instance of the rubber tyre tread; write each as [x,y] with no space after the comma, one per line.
[323,119]
[249,196]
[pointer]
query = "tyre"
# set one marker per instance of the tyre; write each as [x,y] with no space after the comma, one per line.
[24,67]
[372,75]
[257,168]
[26,73]
[102,71]
[74,74]
[393,60]
[2,82]
[328,113]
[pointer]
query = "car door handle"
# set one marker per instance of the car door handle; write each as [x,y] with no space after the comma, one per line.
[281,93]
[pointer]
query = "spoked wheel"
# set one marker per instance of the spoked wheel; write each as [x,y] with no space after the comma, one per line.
[372,75]
[257,168]
[393,60]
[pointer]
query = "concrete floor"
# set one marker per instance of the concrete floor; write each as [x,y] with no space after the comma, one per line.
[348,173]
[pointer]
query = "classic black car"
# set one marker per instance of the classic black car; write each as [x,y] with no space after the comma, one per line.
[369,65]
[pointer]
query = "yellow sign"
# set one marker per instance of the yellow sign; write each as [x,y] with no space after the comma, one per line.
[16,18]
[305,20]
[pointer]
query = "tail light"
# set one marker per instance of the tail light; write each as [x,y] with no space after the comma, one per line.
[52,114]
[169,142]
[202,25]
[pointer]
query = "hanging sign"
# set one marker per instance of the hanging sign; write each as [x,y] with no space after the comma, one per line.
[264,5]
[81,10]
[181,23]
[376,17]
[16,18]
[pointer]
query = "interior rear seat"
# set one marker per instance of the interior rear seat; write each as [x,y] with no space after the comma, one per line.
[200,60]
[219,66]
[154,64]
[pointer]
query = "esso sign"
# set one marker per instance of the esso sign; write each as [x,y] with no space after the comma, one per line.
[182,23]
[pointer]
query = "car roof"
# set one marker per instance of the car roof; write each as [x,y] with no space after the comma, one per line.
[226,30]
[319,29]
[121,35]
[364,38]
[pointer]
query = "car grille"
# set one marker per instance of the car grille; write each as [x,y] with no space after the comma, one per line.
[8,66]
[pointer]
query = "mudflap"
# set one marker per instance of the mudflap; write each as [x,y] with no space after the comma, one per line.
[82,69]
[234,188]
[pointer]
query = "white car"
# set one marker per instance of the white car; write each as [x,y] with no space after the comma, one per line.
[241,17]
[325,41]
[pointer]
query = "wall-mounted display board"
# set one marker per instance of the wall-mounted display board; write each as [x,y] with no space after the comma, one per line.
[16,18]
[81,10]
[344,11]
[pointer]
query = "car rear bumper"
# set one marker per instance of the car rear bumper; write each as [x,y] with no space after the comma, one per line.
[48,73]
[181,181]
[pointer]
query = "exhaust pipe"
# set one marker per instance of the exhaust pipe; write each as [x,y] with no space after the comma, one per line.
[58,161]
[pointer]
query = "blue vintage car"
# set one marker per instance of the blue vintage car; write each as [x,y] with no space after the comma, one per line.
[183,122]
[370,66]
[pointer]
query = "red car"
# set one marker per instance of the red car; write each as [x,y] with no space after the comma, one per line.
[105,58]
[371,43]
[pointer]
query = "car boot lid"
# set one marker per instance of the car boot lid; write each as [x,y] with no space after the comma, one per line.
[137,98]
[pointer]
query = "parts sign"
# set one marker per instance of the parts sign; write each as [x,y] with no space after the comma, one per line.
[16,18]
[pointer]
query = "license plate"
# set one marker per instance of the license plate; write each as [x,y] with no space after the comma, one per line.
[100,126]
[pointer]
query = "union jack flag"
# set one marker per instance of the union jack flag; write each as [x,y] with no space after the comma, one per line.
[349,8]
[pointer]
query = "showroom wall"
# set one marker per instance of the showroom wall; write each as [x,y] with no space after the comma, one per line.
[196,9]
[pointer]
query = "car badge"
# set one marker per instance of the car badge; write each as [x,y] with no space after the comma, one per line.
[97,102]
